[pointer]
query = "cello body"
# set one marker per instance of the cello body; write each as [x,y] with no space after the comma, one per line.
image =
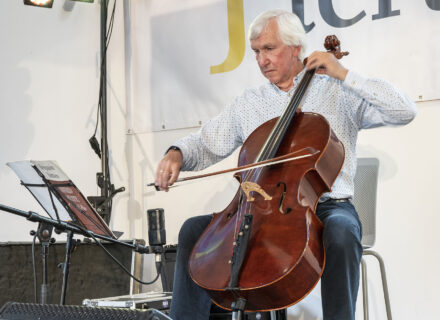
[284,258]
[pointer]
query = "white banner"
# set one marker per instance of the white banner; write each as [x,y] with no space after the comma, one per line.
[188,59]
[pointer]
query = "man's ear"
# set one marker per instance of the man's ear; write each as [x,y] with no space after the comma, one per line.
[296,51]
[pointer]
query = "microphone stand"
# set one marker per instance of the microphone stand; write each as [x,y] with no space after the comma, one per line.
[103,202]
[44,233]
[66,265]
[71,229]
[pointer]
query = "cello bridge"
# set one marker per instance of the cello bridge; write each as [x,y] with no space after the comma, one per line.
[247,187]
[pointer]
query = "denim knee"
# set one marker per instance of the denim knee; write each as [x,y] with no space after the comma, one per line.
[192,229]
[342,233]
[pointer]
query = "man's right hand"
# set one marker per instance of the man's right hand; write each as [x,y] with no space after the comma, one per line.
[168,169]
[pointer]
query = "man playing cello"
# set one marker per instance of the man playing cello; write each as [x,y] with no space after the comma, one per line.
[349,101]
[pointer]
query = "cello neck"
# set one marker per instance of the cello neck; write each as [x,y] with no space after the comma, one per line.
[270,147]
[273,142]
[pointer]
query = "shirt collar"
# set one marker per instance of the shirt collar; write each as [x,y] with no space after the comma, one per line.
[296,80]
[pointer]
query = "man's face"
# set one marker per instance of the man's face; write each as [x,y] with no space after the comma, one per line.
[276,60]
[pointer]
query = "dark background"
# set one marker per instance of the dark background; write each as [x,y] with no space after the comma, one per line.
[92,273]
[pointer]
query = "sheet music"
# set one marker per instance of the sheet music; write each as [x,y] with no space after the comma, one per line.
[27,174]
[50,170]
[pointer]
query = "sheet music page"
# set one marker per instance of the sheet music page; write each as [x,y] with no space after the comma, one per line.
[27,174]
[50,170]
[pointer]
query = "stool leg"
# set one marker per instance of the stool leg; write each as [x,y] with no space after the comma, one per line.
[384,281]
[364,288]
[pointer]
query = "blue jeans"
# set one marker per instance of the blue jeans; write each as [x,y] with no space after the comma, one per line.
[339,282]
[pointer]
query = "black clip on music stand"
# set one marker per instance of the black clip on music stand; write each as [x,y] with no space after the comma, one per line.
[68,208]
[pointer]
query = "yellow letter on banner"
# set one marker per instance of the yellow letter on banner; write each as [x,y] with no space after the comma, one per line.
[236,38]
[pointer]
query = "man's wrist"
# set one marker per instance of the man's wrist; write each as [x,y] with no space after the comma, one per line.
[173,148]
[343,74]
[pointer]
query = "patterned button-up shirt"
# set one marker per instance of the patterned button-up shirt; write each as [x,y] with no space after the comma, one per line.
[349,106]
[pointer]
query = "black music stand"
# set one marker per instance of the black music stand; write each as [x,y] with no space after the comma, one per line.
[63,201]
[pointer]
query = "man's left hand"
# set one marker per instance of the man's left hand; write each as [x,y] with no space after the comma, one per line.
[326,63]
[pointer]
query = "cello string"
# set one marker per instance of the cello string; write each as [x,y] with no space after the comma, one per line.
[270,145]
[286,117]
[283,122]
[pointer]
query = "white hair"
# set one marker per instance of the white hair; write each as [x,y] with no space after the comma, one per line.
[290,28]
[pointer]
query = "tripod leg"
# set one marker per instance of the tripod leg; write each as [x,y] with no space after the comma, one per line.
[66,265]
[44,282]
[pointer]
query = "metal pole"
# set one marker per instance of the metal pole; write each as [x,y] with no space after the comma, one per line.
[44,233]
[105,192]
[66,266]
[44,282]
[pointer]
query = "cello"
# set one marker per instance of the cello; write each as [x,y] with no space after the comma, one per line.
[264,251]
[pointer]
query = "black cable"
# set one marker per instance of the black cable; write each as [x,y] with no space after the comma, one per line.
[119,263]
[104,140]
[34,268]
[93,142]
[103,58]
[110,26]
[100,244]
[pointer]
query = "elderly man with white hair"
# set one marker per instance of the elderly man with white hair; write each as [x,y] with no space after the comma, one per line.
[349,101]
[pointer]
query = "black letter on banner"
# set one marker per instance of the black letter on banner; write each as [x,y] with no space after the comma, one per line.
[298,9]
[385,10]
[433,4]
[329,15]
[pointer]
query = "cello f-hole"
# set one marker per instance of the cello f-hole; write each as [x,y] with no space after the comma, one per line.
[280,206]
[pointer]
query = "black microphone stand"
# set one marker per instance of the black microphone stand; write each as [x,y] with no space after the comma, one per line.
[70,245]
[71,229]
[103,202]
[44,233]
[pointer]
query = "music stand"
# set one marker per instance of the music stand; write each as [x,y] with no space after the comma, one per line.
[58,195]
[62,200]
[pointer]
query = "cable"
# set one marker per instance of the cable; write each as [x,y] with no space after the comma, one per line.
[110,26]
[93,141]
[34,269]
[159,270]
[95,145]
[101,117]
[103,58]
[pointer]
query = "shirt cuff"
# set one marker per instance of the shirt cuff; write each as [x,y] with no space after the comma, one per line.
[185,154]
[354,80]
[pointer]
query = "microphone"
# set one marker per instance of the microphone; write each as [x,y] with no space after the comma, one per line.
[157,239]
[156,227]
[95,146]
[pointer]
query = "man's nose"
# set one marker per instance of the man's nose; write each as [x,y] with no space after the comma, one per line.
[262,59]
